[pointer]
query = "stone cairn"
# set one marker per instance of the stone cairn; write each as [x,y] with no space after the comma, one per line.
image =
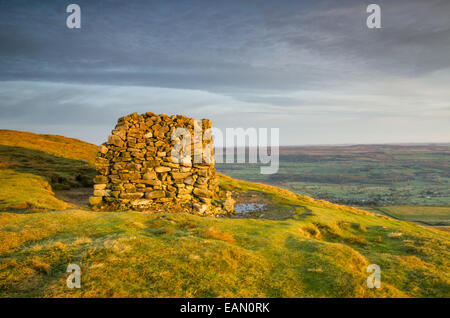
[139,171]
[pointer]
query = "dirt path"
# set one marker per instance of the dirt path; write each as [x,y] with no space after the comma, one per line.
[77,197]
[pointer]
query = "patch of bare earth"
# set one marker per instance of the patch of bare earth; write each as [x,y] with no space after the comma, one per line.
[76,197]
[252,204]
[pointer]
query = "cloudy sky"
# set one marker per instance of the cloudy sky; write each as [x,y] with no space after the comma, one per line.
[311,68]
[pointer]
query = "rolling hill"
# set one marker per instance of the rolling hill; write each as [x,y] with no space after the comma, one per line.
[289,245]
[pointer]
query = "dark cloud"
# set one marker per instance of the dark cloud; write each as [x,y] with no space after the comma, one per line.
[220,45]
[266,57]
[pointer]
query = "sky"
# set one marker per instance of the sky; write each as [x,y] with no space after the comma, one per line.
[313,69]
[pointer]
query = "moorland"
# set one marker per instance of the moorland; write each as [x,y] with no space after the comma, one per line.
[291,245]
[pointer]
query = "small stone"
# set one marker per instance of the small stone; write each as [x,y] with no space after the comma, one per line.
[170,164]
[151,164]
[120,133]
[162,169]
[202,180]
[202,193]
[140,202]
[117,187]
[103,149]
[149,175]
[115,194]
[94,201]
[180,175]
[136,195]
[129,187]
[189,181]
[153,182]
[228,205]
[186,161]
[116,141]
[200,208]
[100,179]
[155,194]
[102,193]
[100,186]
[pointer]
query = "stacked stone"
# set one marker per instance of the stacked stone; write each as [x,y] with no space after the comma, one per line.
[137,170]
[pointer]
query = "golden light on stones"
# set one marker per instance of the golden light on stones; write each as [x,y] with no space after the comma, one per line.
[137,169]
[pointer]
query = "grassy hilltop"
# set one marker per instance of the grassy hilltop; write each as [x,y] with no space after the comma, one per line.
[292,246]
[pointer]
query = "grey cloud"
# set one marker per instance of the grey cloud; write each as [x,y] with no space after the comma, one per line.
[222,46]
[241,63]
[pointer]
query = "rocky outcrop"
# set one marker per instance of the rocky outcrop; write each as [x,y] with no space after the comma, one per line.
[158,163]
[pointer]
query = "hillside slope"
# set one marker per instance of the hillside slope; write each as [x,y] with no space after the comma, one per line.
[288,246]
[33,165]
[55,145]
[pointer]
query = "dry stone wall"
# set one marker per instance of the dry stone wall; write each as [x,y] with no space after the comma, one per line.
[139,171]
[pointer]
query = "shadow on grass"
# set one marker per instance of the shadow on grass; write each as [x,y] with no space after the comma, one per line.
[61,173]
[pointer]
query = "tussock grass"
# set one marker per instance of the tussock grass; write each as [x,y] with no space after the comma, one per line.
[58,146]
[63,162]
[318,249]
[135,254]
[59,172]
[26,192]
[429,215]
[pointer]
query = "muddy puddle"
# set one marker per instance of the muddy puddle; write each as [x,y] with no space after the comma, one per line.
[244,208]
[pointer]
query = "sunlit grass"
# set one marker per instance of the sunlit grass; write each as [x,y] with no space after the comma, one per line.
[134,254]
[26,192]
[300,248]
[432,215]
[55,145]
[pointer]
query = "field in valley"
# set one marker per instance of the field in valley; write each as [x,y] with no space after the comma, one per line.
[290,245]
[387,179]
[426,215]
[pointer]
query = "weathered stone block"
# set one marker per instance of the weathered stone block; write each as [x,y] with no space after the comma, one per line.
[100,186]
[136,195]
[180,175]
[116,141]
[155,194]
[153,182]
[94,201]
[102,193]
[141,202]
[162,169]
[103,149]
[149,175]
[202,192]
[101,179]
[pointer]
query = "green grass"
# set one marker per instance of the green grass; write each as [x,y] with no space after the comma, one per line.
[61,173]
[26,192]
[63,162]
[134,254]
[429,215]
[301,247]
[57,146]
[32,166]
